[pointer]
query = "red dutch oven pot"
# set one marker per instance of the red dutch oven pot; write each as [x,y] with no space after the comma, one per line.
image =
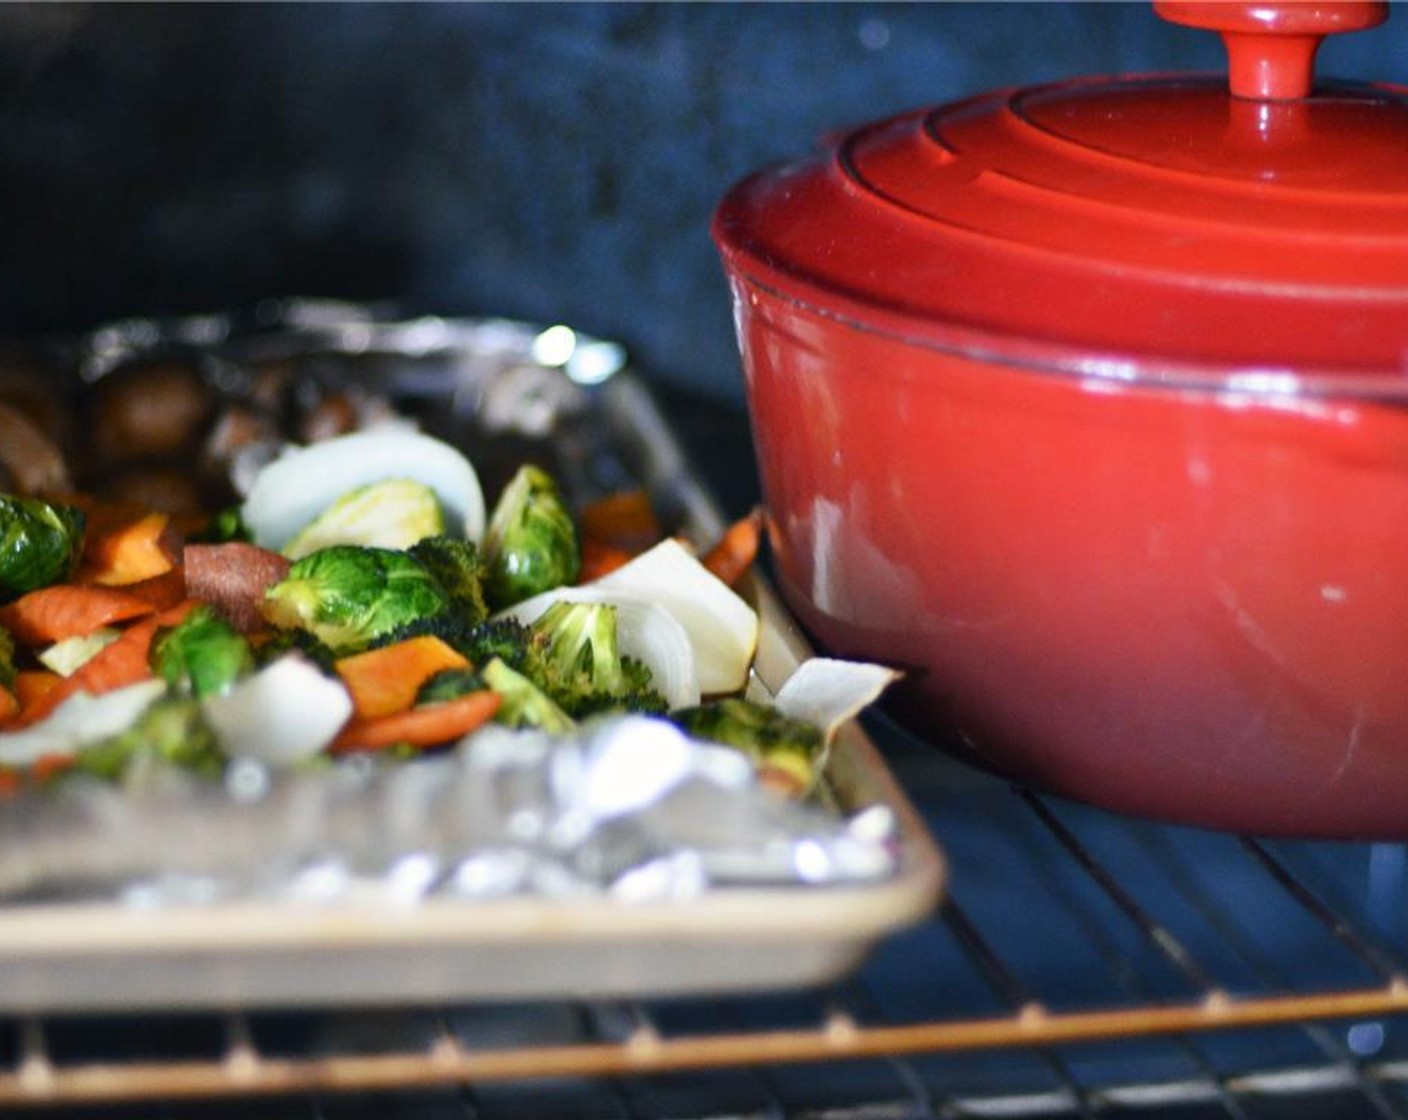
[1087,405]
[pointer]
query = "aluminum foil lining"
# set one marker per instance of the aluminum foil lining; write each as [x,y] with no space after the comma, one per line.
[629,808]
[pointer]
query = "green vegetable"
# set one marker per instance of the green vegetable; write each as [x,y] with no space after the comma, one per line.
[40,543]
[762,732]
[458,566]
[347,595]
[226,525]
[7,658]
[202,654]
[392,513]
[449,684]
[524,704]
[530,544]
[577,661]
[296,641]
[170,730]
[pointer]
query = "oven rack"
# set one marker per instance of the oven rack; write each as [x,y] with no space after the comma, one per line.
[1082,965]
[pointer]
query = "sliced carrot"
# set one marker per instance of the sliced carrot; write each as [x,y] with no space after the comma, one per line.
[625,520]
[118,664]
[69,610]
[9,705]
[737,549]
[420,727]
[31,684]
[161,591]
[119,548]
[599,558]
[50,766]
[386,680]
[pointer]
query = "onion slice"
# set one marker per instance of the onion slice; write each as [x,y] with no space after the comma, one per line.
[302,482]
[827,692]
[722,627]
[644,631]
[286,712]
[80,721]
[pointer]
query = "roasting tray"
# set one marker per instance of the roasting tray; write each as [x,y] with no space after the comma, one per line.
[86,956]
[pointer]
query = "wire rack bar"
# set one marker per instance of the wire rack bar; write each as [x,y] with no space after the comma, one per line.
[242,1071]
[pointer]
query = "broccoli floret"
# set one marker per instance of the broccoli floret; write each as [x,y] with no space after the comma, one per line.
[458,566]
[524,704]
[449,684]
[348,595]
[172,729]
[576,661]
[771,739]
[531,543]
[202,654]
[281,642]
[40,543]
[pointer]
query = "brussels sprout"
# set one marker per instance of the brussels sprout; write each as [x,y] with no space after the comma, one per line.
[392,513]
[171,729]
[40,543]
[202,654]
[347,595]
[531,543]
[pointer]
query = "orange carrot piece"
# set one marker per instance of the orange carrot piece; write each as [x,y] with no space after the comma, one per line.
[126,550]
[161,591]
[118,664]
[600,558]
[420,727]
[386,680]
[31,684]
[9,705]
[624,520]
[69,610]
[735,551]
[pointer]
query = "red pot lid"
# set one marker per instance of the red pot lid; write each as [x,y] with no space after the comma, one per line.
[1167,227]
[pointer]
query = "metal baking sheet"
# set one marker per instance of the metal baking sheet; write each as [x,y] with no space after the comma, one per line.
[108,956]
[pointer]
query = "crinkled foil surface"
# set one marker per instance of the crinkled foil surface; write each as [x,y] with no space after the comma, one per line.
[628,808]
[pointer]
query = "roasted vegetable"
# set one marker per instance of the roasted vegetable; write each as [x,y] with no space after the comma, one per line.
[531,543]
[40,543]
[524,703]
[458,566]
[449,684]
[202,654]
[7,658]
[347,595]
[391,513]
[773,740]
[171,729]
[579,664]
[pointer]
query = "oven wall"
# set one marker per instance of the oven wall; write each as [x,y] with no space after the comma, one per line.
[539,161]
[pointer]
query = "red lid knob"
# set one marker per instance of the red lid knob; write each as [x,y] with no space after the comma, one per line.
[1271,46]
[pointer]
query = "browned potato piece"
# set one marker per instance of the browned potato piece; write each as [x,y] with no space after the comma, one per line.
[164,489]
[31,461]
[148,412]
